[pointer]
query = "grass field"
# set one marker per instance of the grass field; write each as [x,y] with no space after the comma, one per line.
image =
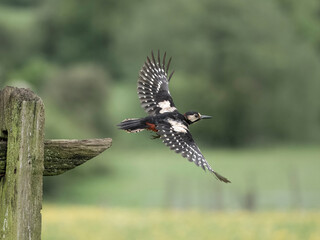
[82,223]
[284,178]
[153,193]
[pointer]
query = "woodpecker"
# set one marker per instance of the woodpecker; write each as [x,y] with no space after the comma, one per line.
[163,117]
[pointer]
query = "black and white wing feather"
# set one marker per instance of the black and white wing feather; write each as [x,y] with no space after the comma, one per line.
[153,86]
[175,134]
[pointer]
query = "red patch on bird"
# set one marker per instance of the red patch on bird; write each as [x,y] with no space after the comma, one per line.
[152,127]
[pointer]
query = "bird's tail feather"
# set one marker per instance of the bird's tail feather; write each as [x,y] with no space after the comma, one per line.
[217,175]
[132,125]
[221,178]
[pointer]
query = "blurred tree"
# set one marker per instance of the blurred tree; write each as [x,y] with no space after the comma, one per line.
[82,31]
[82,91]
[35,71]
[262,79]
[19,39]
[306,18]
[20,3]
[254,64]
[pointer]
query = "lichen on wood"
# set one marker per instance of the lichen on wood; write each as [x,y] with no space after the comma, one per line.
[25,158]
[22,123]
[63,154]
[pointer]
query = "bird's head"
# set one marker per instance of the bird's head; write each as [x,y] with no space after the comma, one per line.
[192,117]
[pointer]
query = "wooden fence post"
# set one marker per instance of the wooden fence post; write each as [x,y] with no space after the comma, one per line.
[22,120]
[25,158]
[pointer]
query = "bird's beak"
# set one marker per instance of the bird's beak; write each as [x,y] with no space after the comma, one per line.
[205,117]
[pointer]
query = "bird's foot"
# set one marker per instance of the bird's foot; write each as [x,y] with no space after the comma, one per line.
[155,136]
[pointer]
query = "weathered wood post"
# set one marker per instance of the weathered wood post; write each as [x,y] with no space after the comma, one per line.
[22,123]
[25,157]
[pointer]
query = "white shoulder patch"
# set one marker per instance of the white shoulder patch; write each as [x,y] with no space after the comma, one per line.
[178,126]
[166,107]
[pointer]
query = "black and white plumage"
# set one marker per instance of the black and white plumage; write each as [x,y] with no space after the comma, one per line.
[153,86]
[164,119]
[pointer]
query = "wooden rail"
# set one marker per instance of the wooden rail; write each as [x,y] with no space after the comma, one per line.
[62,155]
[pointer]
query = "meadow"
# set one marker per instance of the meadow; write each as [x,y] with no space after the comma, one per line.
[153,193]
[79,223]
[149,192]
[283,178]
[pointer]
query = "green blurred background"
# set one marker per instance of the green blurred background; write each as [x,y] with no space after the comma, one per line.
[252,64]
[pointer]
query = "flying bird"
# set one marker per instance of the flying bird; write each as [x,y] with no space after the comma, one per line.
[163,117]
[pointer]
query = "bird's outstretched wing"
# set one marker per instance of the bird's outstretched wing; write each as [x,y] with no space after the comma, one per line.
[175,134]
[153,89]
